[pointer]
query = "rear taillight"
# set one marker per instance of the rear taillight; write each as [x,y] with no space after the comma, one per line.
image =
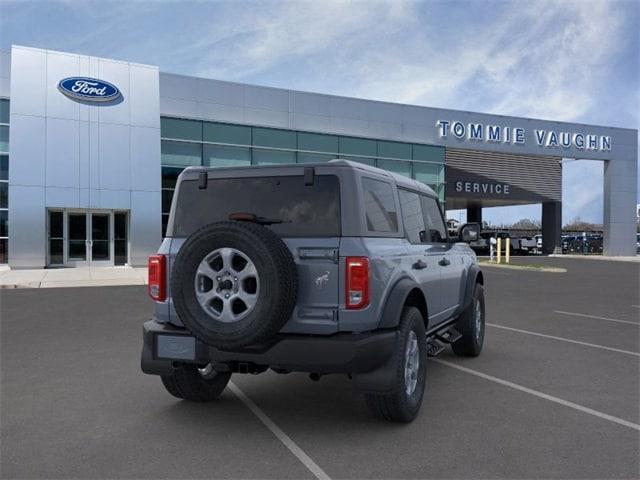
[357,282]
[157,277]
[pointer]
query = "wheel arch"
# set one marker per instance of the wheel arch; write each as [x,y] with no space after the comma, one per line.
[405,292]
[474,276]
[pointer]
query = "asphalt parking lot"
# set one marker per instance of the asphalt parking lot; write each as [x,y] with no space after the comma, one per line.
[555,394]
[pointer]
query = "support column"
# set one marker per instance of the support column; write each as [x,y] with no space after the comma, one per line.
[620,192]
[474,214]
[551,227]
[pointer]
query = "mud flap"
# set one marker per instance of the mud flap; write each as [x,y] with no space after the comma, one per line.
[380,380]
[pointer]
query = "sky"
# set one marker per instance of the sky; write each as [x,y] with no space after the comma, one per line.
[558,60]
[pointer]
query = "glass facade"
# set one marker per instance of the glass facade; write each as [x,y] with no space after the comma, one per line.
[4,180]
[194,142]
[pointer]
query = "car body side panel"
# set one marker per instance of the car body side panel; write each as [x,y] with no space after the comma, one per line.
[387,260]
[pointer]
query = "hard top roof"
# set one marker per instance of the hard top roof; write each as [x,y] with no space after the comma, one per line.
[399,180]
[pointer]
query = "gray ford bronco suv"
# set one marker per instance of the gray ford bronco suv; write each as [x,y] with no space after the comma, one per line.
[322,268]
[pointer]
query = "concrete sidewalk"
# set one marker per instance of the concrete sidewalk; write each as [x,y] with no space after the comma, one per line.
[73,277]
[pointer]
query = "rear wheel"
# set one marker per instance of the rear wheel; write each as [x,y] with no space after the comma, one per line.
[403,403]
[471,326]
[196,384]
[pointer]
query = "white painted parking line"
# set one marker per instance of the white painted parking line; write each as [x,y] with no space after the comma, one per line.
[280,435]
[573,314]
[528,332]
[538,394]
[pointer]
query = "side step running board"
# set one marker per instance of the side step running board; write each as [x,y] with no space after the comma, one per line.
[434,347]
[449,336]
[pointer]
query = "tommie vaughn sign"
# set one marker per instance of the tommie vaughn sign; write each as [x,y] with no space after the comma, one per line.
[88,89]
[478,132]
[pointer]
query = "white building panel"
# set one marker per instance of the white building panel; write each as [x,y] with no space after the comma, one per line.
[115,156]
[27,141]
[222,93]
[116,73]
[59,66]
[62,167]
[62,197]
[145,152]
[144,97]
[28,81]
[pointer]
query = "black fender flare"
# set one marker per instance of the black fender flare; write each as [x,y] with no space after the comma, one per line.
[394,302]
[474,275]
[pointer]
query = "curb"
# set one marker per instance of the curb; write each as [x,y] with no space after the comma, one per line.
[74,284]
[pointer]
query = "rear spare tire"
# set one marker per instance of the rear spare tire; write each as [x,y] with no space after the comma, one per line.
[234,284]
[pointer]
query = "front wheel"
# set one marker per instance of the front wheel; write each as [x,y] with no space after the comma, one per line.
[196,384]
[403,403]
[471,326]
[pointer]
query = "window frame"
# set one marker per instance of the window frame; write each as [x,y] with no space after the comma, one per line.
[424,222]
[442,219]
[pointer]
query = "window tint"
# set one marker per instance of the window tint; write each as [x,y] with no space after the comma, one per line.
[436,231]
[4,167]
[412,217]
[222,156]
[402,168]
[272,157]
[317,143]
[394,150]
[305,211]
[4,139]
[178,128]
[380,207]
[224,133]
[179,153]
[4,111]
[272,137]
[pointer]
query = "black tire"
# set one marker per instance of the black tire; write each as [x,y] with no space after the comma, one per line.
[470,344]
[277,293]
[187,383]
[398,405]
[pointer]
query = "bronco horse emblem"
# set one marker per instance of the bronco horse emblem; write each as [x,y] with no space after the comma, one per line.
[322,280]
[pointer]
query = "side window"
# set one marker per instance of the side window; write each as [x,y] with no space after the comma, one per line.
[412,217]
[436,230]
[380,207]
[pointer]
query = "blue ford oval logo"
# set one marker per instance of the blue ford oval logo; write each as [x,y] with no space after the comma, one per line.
[89,89]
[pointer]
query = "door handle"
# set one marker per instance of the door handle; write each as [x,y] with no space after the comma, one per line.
[419,265]
[444,262]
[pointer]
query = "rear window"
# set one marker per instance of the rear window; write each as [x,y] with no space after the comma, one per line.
[305,211]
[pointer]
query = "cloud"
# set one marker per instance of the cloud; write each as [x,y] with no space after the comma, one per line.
[570,60]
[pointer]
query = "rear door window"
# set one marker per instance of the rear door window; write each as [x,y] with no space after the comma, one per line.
[380,206]
[304,210]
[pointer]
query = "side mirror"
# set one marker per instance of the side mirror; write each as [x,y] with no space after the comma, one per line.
[469,232]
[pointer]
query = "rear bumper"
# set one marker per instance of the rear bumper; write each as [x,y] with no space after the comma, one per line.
[164,345]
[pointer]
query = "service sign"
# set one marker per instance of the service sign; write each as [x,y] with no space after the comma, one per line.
[88,89]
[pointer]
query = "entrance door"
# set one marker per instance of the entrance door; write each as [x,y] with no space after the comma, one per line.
[77,240]
[87,238]
[100,241]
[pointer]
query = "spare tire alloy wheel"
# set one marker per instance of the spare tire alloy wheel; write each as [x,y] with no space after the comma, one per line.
[234,284]
[227,284]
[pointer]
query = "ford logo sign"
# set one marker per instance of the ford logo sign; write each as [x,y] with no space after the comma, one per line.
[89,89]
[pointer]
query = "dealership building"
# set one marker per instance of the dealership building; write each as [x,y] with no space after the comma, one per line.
[90,149]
